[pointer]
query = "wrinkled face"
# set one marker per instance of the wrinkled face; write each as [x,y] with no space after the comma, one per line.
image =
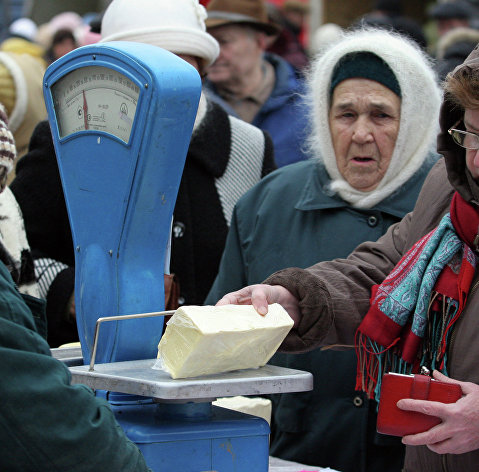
[240,53]
[471,122]
[364,124]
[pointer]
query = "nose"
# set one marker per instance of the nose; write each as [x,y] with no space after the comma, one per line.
[362,132]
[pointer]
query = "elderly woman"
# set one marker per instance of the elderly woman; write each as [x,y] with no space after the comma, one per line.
[373,133]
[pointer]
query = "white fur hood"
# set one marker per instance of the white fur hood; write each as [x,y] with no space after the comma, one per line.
[420,102]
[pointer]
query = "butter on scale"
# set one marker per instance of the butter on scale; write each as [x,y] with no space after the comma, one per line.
[202,340]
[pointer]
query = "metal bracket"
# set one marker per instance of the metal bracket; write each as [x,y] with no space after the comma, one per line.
[99,321]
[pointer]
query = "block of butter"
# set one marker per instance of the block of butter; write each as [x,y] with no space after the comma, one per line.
[256,406]
[202,340]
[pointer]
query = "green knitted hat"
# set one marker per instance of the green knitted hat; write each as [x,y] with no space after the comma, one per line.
[364,65]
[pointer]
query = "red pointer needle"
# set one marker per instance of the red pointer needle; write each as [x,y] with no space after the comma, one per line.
[85,111]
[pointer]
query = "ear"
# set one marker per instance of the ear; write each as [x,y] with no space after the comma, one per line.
[262,40]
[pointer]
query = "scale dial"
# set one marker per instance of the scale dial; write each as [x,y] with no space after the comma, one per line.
[95,98]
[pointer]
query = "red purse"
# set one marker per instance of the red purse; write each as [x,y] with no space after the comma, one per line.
[395,422]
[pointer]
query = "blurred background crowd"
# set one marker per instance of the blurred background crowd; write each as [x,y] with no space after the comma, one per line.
[445,28]
[54,27]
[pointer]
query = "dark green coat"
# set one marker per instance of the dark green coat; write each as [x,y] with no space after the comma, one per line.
[46,424]
[290,219]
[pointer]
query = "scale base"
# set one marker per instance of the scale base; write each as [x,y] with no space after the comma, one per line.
[217,439]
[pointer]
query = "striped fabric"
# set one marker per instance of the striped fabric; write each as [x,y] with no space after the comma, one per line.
[46,270]
[8,152]
[238,178]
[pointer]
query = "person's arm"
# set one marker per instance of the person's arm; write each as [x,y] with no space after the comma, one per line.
[328,300]
[458,432]
[46,423]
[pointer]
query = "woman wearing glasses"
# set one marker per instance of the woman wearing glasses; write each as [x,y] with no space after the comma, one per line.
[412,295]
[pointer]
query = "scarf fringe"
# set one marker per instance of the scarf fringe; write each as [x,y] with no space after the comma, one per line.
[375,360]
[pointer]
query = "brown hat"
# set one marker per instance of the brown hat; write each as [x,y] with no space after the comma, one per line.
[245,12]
[296,5]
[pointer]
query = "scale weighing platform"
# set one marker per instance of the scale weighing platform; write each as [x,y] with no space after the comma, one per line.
[121,116]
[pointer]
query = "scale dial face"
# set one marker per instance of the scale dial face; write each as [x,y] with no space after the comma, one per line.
[95,98]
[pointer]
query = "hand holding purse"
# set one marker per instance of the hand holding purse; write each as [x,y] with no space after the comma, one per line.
[395,422]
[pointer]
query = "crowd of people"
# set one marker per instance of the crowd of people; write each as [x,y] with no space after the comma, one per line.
[337,176]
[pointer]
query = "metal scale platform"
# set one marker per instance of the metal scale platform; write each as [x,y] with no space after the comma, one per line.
[121,116]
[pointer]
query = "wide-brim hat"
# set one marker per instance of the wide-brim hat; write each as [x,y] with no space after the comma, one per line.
[251,13]
[458,9]
[175,25]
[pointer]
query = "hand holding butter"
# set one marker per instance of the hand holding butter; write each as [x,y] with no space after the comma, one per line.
[203,340]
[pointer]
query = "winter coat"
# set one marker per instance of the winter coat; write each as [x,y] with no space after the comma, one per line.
[334,296]
[283,115]
[48,424]
[21,91]
[315,225]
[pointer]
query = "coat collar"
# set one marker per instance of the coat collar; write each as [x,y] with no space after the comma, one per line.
[317,196]
[210,144]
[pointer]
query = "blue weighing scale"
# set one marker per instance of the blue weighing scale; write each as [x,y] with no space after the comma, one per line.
[121,116]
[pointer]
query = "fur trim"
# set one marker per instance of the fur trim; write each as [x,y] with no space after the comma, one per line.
[244,165]
[13,238]
[8,151]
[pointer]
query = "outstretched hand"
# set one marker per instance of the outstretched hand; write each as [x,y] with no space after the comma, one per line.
[459,431]
[261,295]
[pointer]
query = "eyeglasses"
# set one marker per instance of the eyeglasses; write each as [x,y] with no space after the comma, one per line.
[465,139]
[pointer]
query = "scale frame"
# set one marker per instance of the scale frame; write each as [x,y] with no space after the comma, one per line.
[116,186]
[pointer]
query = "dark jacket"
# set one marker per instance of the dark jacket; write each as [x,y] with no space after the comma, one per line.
[314,225]
[46,424]
[334,296]
[38,190]
[284,115]
[201,217]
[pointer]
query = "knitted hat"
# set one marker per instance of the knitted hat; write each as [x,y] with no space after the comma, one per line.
[252,13]
[8,152]
[364,65]
[175,25]
[24,27]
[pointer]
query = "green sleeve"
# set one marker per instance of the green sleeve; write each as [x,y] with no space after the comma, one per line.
[46,424]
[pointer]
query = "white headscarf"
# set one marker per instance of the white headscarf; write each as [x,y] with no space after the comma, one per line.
[420,102]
